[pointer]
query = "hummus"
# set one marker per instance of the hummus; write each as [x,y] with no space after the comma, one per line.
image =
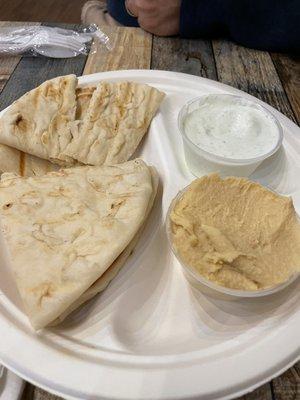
[236,233]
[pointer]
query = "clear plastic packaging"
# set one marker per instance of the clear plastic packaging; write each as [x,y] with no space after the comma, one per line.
[50,41]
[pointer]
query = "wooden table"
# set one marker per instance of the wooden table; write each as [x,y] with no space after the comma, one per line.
[273,78]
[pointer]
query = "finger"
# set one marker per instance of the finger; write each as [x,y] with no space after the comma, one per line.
[131,8]
[148,23]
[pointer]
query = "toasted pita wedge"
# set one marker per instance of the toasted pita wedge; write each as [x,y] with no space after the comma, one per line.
[118,117]
[83,98]
[102,282]
[23,164]
[66,228]
[38,122]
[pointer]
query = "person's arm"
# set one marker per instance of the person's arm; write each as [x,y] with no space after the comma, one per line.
[263,24]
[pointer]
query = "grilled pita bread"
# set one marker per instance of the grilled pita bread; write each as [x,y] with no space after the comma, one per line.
[83,98]
[23,164]
[118,116]
[65,229]
[38,122]
[87,125]
[102,282]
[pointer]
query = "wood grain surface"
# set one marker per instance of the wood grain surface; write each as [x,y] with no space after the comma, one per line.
[34,393]
[131,50]
[272,78]
[287,385]
[38,71]
[41,10]
[181,55]
[264,392]
[253,72]
[288,69]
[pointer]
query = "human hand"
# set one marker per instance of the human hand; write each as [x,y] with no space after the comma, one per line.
[160,17]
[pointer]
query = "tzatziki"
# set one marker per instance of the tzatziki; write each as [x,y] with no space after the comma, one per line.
[233,129]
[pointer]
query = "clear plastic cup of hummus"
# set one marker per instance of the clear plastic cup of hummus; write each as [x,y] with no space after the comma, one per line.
[202,160]
[208,287]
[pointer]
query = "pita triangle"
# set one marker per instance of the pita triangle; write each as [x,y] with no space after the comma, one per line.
[65,229]
[101,283]
[83,98]
[38,122]
[24,164]
[117,118]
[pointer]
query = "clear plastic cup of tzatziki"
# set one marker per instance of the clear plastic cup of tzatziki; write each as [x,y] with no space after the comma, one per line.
[227,134]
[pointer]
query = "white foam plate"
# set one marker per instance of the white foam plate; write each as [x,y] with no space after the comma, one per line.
[149,335]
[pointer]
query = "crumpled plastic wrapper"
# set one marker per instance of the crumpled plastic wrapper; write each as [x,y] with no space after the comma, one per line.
[50,41]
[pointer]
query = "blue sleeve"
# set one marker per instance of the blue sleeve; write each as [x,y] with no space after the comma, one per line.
[117,10]
[272,25]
